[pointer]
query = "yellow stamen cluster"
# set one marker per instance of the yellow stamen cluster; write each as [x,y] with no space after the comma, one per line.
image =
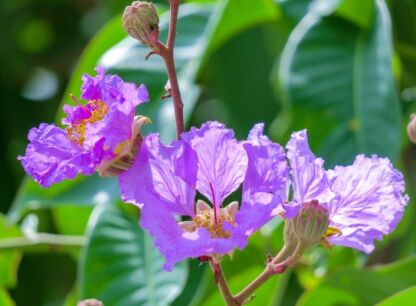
[76,132]
[206,218]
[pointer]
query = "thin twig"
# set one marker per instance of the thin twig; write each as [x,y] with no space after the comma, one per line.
[268,272]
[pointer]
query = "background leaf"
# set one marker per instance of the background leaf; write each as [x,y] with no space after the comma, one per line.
[403,298]
[9,259]
[362,287]
[335,73]
[120,265]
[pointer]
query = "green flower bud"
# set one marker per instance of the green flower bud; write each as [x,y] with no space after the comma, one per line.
[310,225]
[141,21]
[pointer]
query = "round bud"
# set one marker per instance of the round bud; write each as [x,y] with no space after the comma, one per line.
[411,128]
[310,225]
[141,21]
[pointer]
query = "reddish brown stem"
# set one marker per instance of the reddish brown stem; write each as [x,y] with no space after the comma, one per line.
[167,53]
[222,284]
[268,272]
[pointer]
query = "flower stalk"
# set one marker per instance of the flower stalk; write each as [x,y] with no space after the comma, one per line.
[167,53]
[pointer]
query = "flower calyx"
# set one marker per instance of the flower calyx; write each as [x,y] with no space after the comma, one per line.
[141,21]
[307,229]
[311,224]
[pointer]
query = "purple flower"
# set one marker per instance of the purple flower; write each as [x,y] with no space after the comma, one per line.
[101,135]
[164,182]
[364,201]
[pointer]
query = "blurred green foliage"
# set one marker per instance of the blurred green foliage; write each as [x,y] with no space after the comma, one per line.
[343,69]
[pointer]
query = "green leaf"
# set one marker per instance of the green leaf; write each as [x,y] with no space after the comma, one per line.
[231,17]
[127,59]
[195,285]
[9,259]
[295,10]
[403,298]
[5,299]
[360,12]
[83,191]
[337,81]
[70,219]
[120,265]
[242,99]
[362,287]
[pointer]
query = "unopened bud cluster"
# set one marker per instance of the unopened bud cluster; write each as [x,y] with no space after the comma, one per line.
[141,21]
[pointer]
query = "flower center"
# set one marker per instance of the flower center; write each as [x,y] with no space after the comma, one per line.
[212,220]
[206,220]
[76,132]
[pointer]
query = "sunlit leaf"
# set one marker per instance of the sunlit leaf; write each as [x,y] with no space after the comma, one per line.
[5,299]
[403,298]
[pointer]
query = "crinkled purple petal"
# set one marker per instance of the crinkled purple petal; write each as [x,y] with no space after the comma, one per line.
[222,161]
[106,88]
[371,201]
[175,244]
[166,178]
[265,184]
[51,157]
[309,180]
[116,127]
[135,95]
[75,113]
[111,88]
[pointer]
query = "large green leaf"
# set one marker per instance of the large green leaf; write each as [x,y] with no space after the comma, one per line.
[231,17]
[79,192]
[362,287]
[403,298]
[120,265]
[195,286]
[337,81]
[235,78]
[5,299]
[357,11]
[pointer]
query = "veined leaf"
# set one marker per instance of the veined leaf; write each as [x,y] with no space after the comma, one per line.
[121,267]
[337,80]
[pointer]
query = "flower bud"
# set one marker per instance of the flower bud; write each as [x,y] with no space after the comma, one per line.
[411,128]
[90,302]
[141,21]
[310,225]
